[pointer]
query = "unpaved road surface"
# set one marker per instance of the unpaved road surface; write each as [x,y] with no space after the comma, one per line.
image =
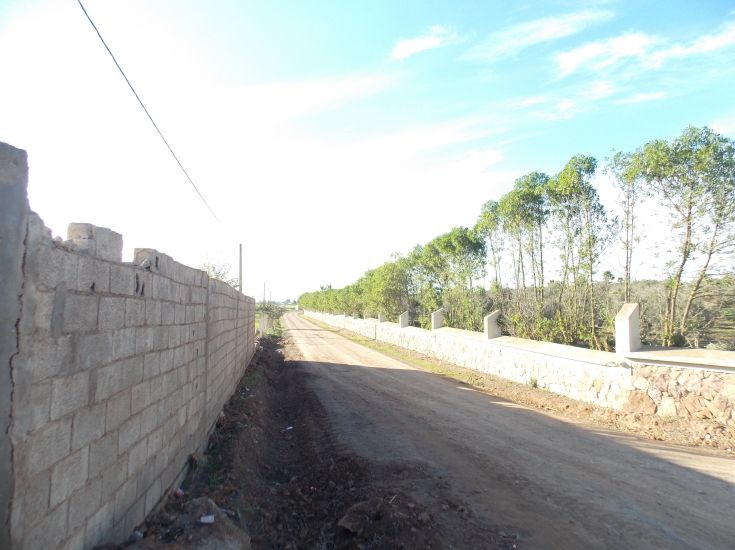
[500,467]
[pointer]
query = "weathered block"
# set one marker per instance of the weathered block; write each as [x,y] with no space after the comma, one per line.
[75,540]
[88,426]
[129,433]
[35,505]
[149,259]
[80,313]
[114,477]
[149,420]
[39,412]
[95,350]
[135,515]
[134,312]
[99,525]
[84,503]
[69,475]
[118,409]
[124,498]
[93,275]
[44,310]
[51,531]
[103,454]
[153,495]
[145,339]
[152,312]
[122,280]
[56,266]
[118,376]
[141,397]
[111,313]
[69,394]
[123,343]
[97,241]
[137,456]
[49,445]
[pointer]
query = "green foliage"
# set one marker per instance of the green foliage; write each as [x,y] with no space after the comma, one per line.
[272,309]
[221,272]
[693,177]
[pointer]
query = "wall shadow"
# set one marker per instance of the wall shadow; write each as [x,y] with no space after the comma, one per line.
[614,489]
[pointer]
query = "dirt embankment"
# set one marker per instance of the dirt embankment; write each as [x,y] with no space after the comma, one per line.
[275,469]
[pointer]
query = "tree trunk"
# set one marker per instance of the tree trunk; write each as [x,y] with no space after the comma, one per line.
[676,281]
[700,277]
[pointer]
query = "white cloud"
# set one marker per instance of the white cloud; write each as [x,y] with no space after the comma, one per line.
[436,37]
[518,37]
[724,125]
[530,101]
[475,161]
[278,101]
[563,109]
[649,51]
[642,97]
[603,54]
[703,45]
[600,89]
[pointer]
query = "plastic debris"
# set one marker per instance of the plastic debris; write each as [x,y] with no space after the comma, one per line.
[178,493]
[207,520]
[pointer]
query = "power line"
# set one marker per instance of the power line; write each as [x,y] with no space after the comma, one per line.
[119,68]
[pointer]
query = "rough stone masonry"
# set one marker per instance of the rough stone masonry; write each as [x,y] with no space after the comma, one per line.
[112,374]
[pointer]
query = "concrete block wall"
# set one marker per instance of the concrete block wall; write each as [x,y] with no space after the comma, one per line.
[119,371]
[601,378]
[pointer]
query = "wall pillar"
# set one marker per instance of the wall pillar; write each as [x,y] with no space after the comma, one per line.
[14,212]
[437,319]
[381,318]
[628,329]
[403,319]
[492,328]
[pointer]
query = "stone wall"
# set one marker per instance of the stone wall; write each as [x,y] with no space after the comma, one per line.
[702,390]
[119,371]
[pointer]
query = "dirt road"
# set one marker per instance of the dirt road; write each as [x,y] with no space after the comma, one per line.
[554,483]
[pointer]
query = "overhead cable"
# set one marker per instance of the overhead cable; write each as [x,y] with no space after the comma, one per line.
[119,68]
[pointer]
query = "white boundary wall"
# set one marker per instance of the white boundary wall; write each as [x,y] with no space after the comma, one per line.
[596,377]
[695,384]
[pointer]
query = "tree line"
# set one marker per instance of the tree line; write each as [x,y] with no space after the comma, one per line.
[542,245]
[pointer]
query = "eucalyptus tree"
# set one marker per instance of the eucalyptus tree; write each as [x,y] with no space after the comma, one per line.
[531,203]
[489,226]
[445,270]
[386,289]
[624,169]
[586,230]
[693,177]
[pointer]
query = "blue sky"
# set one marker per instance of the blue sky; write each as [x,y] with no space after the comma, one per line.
[328,135]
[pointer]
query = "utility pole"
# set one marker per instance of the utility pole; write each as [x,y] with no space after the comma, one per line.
[240,278]
[263,292]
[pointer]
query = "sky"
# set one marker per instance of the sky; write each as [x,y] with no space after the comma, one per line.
[328,135]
